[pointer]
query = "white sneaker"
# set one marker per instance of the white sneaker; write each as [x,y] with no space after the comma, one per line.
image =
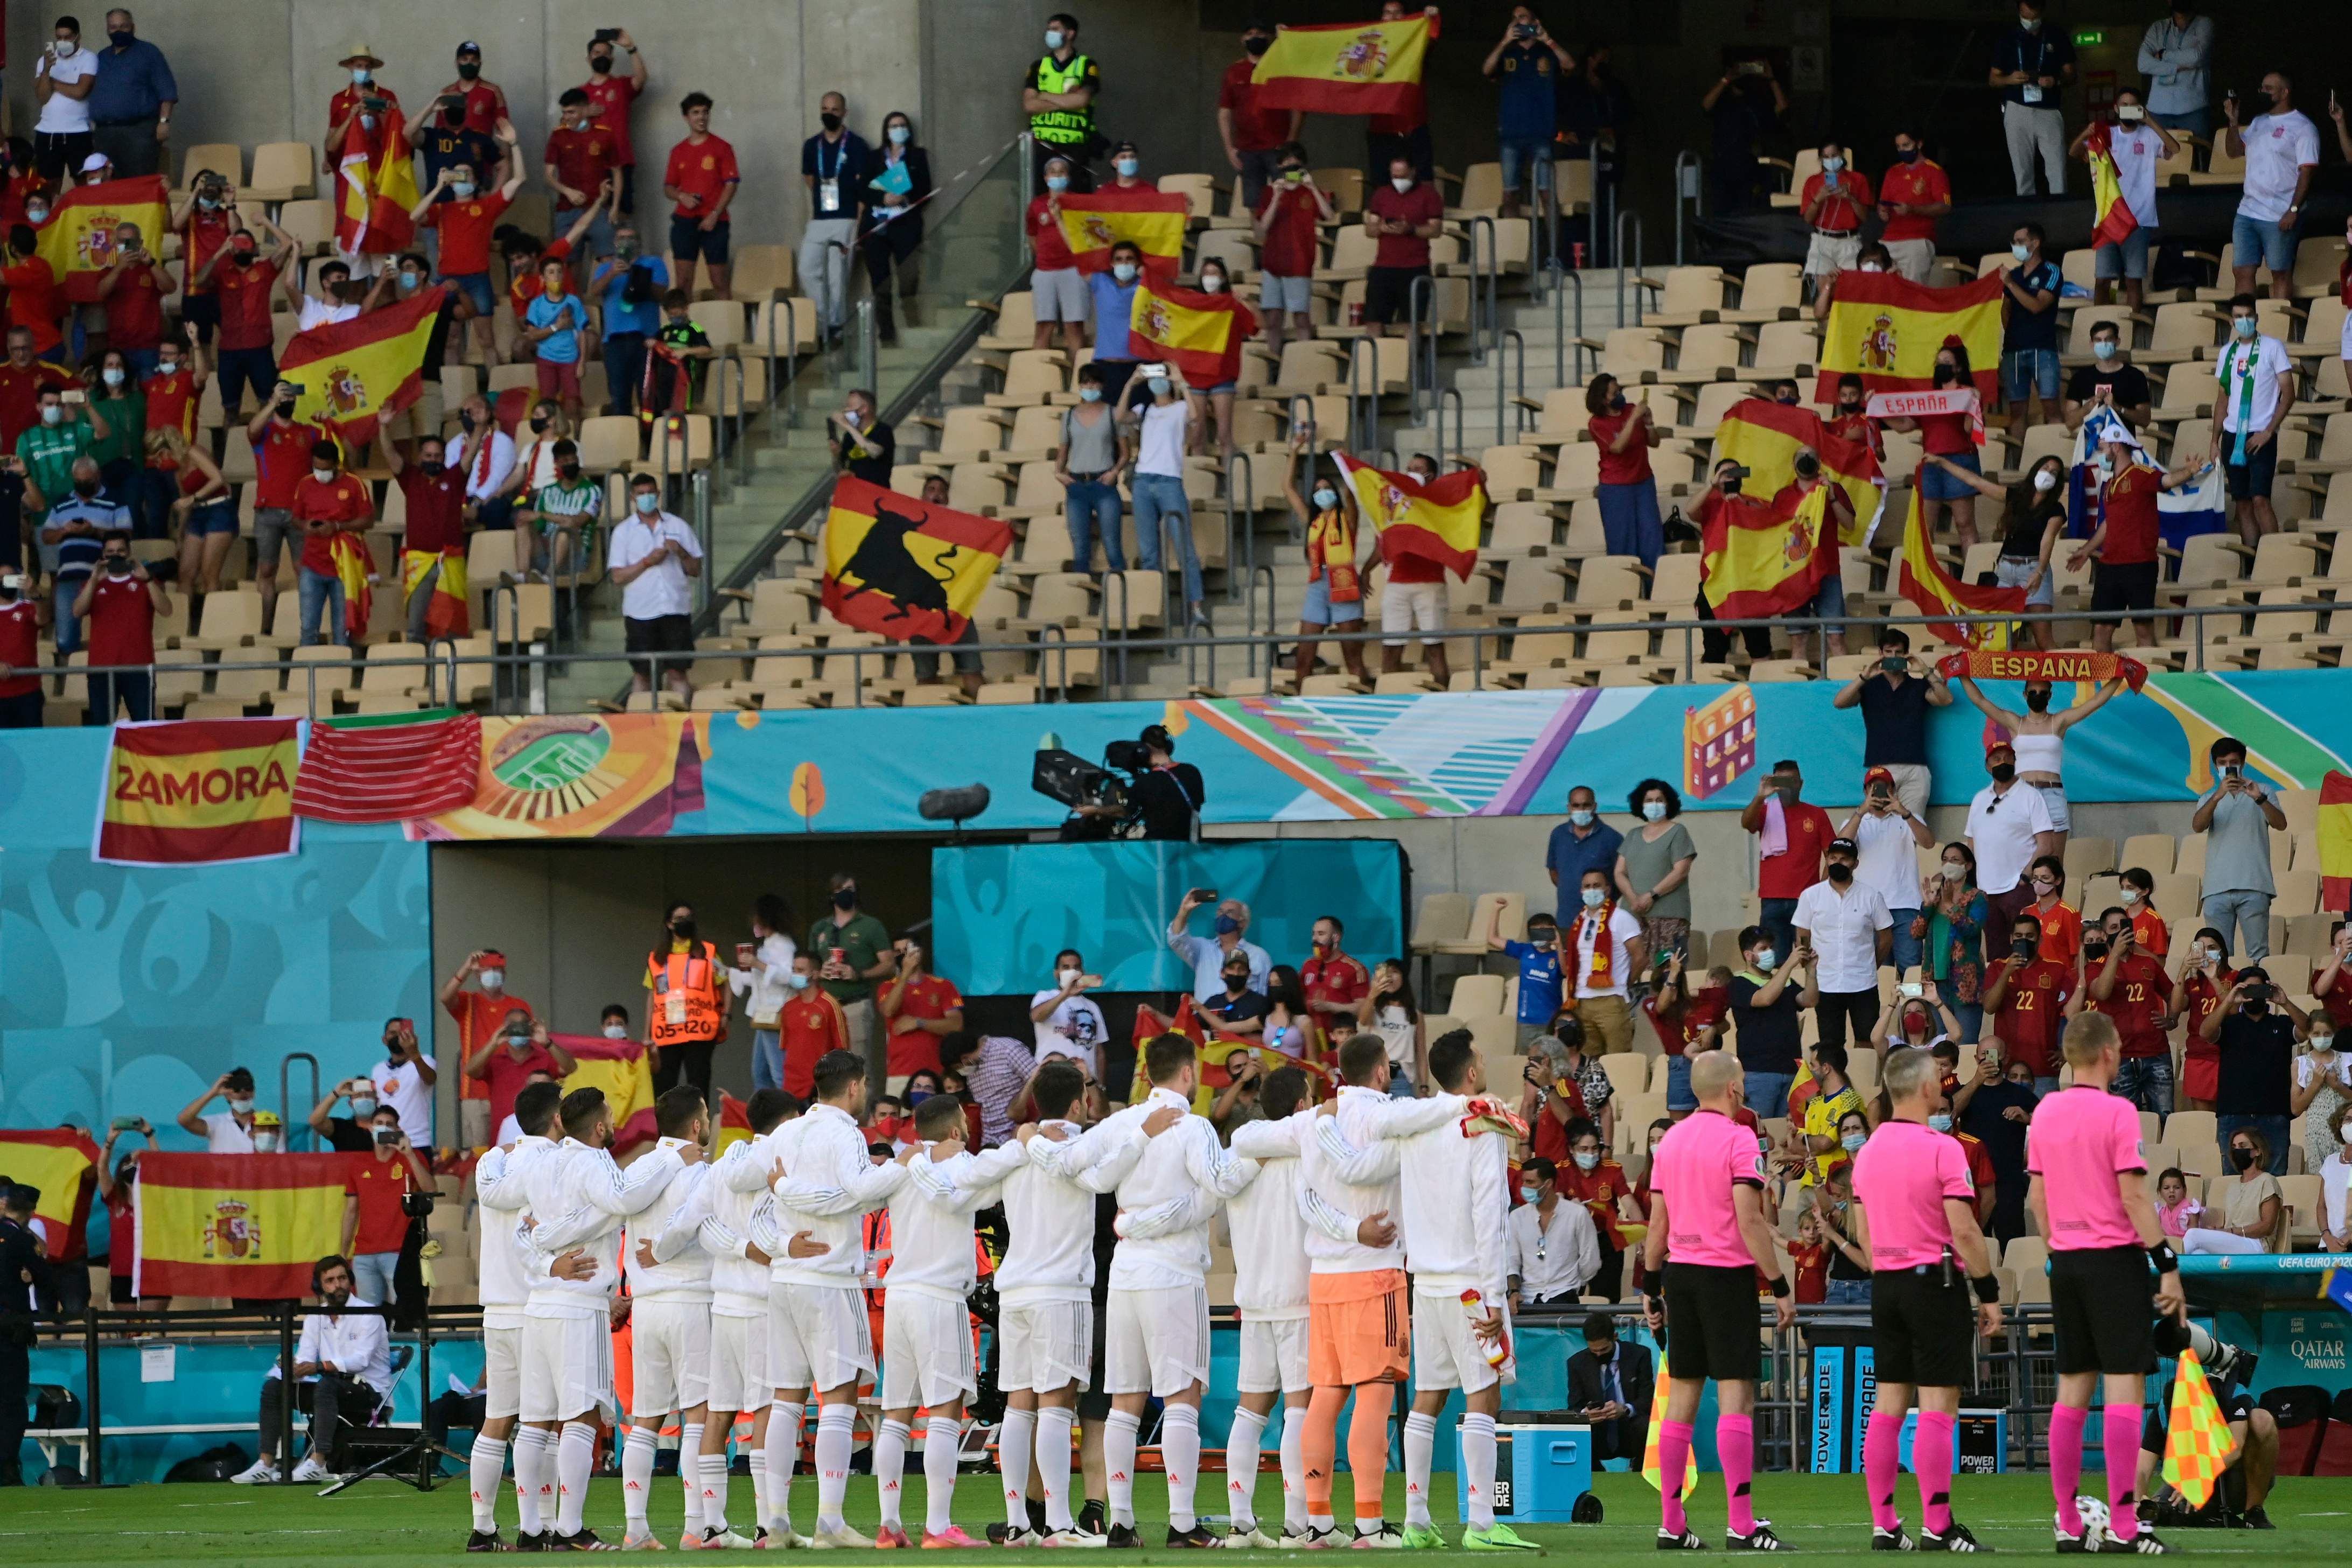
[716,1540]
[254,1474]
[783,1538]
[829,1538]
[310,1469]
[1075,1537]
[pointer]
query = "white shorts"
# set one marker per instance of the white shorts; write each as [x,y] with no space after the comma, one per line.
[1412,606]
[1156,1341]
[818,1337]
[926,1351]
[739,1364]
[1274,1356]
[669,1356]
[1047,1346]
[1828,254]
[1058,296]
[501,1373]
[567,1366]
[1445,1353]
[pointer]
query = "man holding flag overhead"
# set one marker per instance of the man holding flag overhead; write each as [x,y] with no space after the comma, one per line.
[2123,154]
[1428,527]
[368,154]
[82,239]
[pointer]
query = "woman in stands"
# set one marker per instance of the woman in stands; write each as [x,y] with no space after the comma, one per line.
[1948,435]
[208,521]
[1627,490]
[1390,1011]
[1950,924]
[2041,739]
[2204,979]
[2033,515]
[2335,1182]
[897,182]
[1216,401]
[1921,1021]
[1291,1026]
[2244,1214]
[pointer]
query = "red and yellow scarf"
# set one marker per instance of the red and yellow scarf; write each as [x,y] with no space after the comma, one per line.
[1331,547]
[1602,972]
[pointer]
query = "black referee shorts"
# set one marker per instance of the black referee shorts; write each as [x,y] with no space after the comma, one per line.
[1711,1321]
[2100,1299]
[1924,1327]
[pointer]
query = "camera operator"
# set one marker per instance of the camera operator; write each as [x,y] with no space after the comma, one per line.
[1164,795]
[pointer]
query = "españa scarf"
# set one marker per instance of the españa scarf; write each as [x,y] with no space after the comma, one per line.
[1331,547]
[1601,972]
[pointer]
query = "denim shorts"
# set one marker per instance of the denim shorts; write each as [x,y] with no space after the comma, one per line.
[2126,259]
[213,516]
[476,288]
[2029,369]
[1532,152]
[1937,485]
[2016,571]
[2262,238]
[1829,601]
[1319,611]
[1291,294]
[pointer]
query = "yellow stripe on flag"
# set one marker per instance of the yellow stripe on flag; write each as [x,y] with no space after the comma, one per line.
[1438,520]
[203,789]
[1359,68]
[1767,570]
[352,372]
[1770,454]
[78,242]
[1092,224]
[1888,329]
[1160,321]
[235,1224]
[56,1170]
[628,1086]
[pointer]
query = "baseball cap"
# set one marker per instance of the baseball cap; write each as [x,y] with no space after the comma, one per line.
[95,162]
[1992,746]
[1846,845]
[1877,775]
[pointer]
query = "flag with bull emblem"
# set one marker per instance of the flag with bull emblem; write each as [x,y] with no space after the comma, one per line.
[904,569]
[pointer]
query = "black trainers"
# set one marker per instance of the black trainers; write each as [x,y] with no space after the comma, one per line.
[996,1534]
[485,1540]
[2257,1519]
[1194,1538]
[1759,1539]
[2145,1544]
[535,1541]
[583,1540]
[1892,1540]
[1124,1539]
[1688,1540]
[1954,1539]
[1090,1516]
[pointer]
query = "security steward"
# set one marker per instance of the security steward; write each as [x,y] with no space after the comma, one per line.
[1058,96]
[24,1279]
[685,1016]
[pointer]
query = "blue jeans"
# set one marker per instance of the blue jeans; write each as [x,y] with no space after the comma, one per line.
[142,363]
[1779,916]
[134,691]
[1678,1089]
[372,1276]
[767,1060]
[1400,1086]
[319,590]
[2196,122]
[1971,1017]
[1847,1293]
[624,367]
[1629,520]
[1767,1092]
[69,630]
[2147,1082]
[2241,915]
[1532,153]
[2261,241]
[1158,496]
[1093,509]
[2276,1129]
[1906,949]
[2043,1088]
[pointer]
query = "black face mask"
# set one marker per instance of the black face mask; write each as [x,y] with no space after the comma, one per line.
[845,899]
[540,423]
[1237,982]
[286,408]
[468,71]
[86,489]
[430,468]
[2242,1159]
[453,118]
[243,254]
[1947,374]
[600,64]
[2265,103]
[1257,46]
[2003,771]
[1840,872]
[569,470]
[830,121]
[2038,702]
[682,930]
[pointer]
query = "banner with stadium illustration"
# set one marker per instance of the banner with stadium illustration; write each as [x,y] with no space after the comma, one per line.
[581,775]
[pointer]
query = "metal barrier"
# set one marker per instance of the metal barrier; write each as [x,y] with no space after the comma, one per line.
[1104,621]
[1504,404]
[1624,273]
[1423,344]
[698,488]
[1249,618]
[1461,433]
[287,1120]
[1366,432]
[1689,178]
[1564,346]
[1487,305]
[1243,531]
[869,347]
[780,393]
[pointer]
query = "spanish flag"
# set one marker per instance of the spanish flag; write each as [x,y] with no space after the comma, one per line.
[1435,521]
[1887,329]
[78,242]
[1764,435]
[734,1123]
[2111,217]
[2336,842]
[375,196]
[1092,224]
[446,615]
[354,569]
[908,570]
[1344,67]
[358,370]
[624,1070]
[1201,334]
[1761,559]
[247,1226]
[61,1164]
[1976,612]
[200,790]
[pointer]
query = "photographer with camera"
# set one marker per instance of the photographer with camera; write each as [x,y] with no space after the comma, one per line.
[2257,1029]
[1208,955]
[1168,795]
[120,602]
[2237,816]
[376,1206]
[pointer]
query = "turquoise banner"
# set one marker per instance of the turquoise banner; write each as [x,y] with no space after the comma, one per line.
[1001,911]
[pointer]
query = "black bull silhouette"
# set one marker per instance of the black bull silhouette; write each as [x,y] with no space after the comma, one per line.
[883,565]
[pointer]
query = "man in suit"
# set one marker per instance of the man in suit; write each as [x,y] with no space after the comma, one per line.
[25,1276]
[1609,1383]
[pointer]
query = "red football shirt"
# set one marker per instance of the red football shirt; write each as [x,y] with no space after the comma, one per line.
[1291,246]
[244,303]
[202,234]
[1418,206]
[1338,978]
[1841,214]
[281,459]
[2143,992]
[484,105]
[704,169]
[466,233]
[1598,1190]
[437,509]
[172,400]
[2028,1021]
[1787,875]
[807,1027]
[1922,183]
[121,622]
[20,646]
[1255,130]
[135,310]
[342,499]
[582,158]
[2133,518]
[1046,236]
[1630,466]
[33,301]
[380,1185]
[929,997]
[612,95]
[20,398]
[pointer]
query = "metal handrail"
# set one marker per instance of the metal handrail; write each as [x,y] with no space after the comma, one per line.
[1245,534]
[1486,315]
[1461,432]
[1103,621]
[1503,402]
[1562,345]
[287,1120]
[1249,616]
[1366,433]
[1686,190]
[1421,286]
[1626,274]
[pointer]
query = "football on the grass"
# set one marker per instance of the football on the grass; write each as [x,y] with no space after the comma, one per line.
[2094,1517]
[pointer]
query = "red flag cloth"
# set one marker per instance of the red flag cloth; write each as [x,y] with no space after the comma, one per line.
[2029,663]
[1199,334]
[1925,582]
[61,1163]
[379,770]
[2111,215]
[2336,841]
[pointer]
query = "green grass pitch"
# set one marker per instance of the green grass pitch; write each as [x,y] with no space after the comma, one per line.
[381,1522]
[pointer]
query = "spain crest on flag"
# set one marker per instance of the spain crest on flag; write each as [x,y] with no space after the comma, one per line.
[78,242]
[1154,223]
[1201,334]
[906,570]
[1345,68]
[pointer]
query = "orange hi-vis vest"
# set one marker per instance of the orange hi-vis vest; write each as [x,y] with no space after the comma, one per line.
[687,999]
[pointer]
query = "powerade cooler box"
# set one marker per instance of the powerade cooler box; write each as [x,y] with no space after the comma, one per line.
[1541,1466]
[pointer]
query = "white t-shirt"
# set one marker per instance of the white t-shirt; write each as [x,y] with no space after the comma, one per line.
[2136,152]
[1624,927]
[2001,830]
[1845,927]
[2266,362]
[509,1131]
[317,312]
[1163,439]
[1076,1027]
[62,116]
[663,590]
[223,1136]
[1888,862]
[403,1088]
[2277,147]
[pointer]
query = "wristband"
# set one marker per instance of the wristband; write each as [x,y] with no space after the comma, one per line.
[1988,1288]
[2167,1261]
[1779,1287]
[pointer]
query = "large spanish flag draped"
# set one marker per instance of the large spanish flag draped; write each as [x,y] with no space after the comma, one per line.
[1887,329]
[1344,67]
[1764,435]
[1092,224]
[1976,612]
[624,1070]
[199,790]
[78,242]
[1436,521]
[247,1226]
[2111,217]
[1763,559]
[2336,841]
[355,372]
[376,194]
[61,1164]
[908,570]
[1201,334]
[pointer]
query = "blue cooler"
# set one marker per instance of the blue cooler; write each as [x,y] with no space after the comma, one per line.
[1541,1470]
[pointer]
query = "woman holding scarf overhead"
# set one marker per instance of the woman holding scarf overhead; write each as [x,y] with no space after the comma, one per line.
[1334,589]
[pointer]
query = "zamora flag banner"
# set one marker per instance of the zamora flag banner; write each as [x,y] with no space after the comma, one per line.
[2336,844]
[1887,329]
[245,1226]
[199,790]
[353,373]
[1092,224]
[1763,559]
[1976,612]
[1437,522]
[623,1070]
[1344,67]
[907,571]
[61,1164]
[1763,436]
[78,242]
[1201,334]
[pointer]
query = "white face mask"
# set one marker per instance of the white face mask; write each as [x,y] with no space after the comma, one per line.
[2323,1042]
[796,981]
[241,1104]
[1941,1122]
[1594,898]
[2044,481]
[113,376]
[2105,348]
[1123,270]
[1832,165]
[1654,810]
[2020,251]
[1872,267]
[1588,1161]
[265,1142]
[362,1108]
[324,476]
[1326,497]
[616,1031]
[1214,283]
[1053,37]
[1402,185]
[493,978]
[362,76]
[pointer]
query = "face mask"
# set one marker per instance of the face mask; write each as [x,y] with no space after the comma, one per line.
[646,504]
[1065,976]
[2265,102]
[1402,185]
[324,476]
[1909,154]
[1941,1122]
[2242,325]
[362,76]
[1214,283]
[845,899]
[2002,771]
[900,136]
[87,489]
[1763,961]
[265,1142]
[1054,38]
[600,64]
[1227,925]
[682,930]
[1126,167]
[1542,936]
[569,470]
[241,1104]
[241,254]
[2105,348]
[1594,898]
[1159,385]
[461,189]
[1840,872]
[1580,817]
[1090,395]
[112,376]
[797,980]
[616,1031]
[362,1108]
[2323,1042]
[411,282]
[2242,1159]
[1852,1141]
[1654,811]
[1326,497]
[37,216]
[120,40]
[830,121]
[1256,47]
[2044,481]
[1123,270]
[52,414]
[2107,465]
[1832,165]
[1531,1192]
[1057,182]
[2031,24]
[468,71]
[431,469]
[2020,251]
[1588,1161]
[2038,702]
[493,978]
[1946,373]
[1872,267]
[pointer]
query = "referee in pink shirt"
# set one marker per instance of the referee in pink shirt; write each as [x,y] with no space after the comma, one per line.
[1918,1206]
[1709,1239]
[2090,1198]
